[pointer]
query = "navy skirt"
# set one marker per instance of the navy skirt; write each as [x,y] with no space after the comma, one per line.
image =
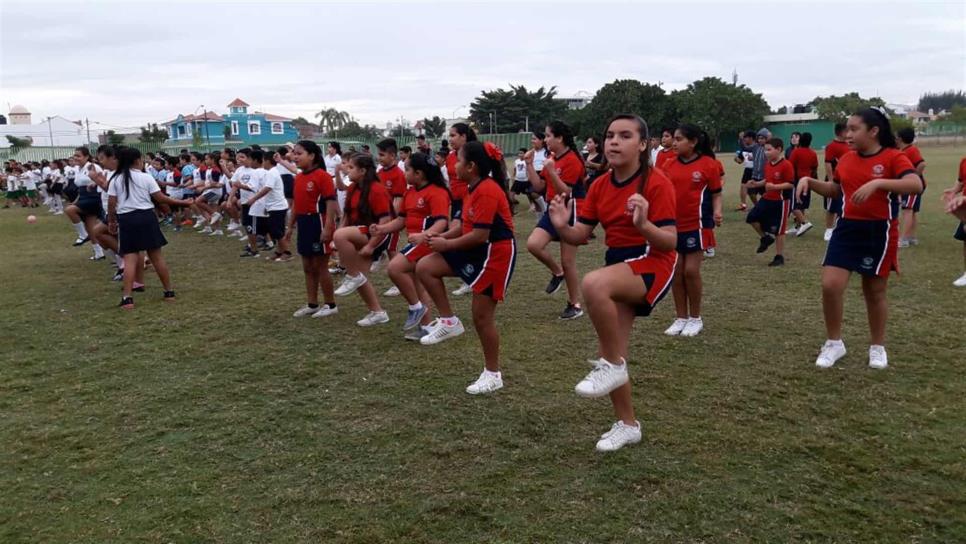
[138,231]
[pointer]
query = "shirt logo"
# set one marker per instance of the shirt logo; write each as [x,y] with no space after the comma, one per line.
[691,242]
[469,269]
[310,187]
[867,262]
[696,177]
[878,170]
[421,203]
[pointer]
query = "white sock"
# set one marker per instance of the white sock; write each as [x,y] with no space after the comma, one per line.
[98,251]
[417,306]
[541,204]
[496,374]
[450,321]
[81,231]
[838,342]
[119,261]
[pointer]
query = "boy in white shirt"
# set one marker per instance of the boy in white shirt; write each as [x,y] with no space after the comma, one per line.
[249,175]
[271,207]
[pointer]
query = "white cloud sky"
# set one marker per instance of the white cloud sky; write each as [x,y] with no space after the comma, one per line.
[125,64]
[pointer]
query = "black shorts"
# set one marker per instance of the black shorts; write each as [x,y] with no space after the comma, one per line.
[456,209]
[772,215]
[259,225]
[803,203]
[138,231]
[57,188]
[521,187]
[288,182]
[309,243]
[746,175]
[276,224]
[246,219]
[960,233]
[89,203]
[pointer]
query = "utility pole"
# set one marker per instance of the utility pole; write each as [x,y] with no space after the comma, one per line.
[204,113]
[51,131]
[526,121]
[88,123]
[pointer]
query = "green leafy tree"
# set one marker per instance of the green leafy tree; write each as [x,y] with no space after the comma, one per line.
[114,138]
[227,132]
[838,108]
[196,139]
[19,143]
[435,127]
[899,123]
[622,96]
[153,134]
[944,101]
[332,120]
[722,109]
[515,108]
[353,129]
[957,115]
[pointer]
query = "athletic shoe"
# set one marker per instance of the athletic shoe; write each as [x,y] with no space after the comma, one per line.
[215,218]
[127,303]
[803,229]
[620,435]
[777,261]
[138,287]
[373,318]
[232,225]
[283,258]
[187,223]
[572,311]
[391,292]
[439,331]
[488,382]
[831,351]
[414,317]
[200,223]
[554,284]
[828,234]
[961,282]
[337,270]
[877,357]
[765,242]
[350,284]
[791,230]
[709,253]
[326,310]
[206,230]
[694,326]
[913,241]
[604,378]
[169,296]
[378,264]
[81,241]
[218,232]
[677,326]
[58,212]
[249,253]
[119,275]
[416,334]
[464,289]
[305,311]
[903,242]
[741,207]
[97,257]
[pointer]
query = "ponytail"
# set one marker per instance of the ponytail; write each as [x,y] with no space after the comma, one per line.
[702,142]
[489,161]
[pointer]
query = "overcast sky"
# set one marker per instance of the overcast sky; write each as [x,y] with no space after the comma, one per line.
[125,64]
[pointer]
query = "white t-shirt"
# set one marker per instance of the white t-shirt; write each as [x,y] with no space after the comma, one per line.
[243,175]
[30,180]
[142,186]
[539,157]
[275,199]
[257,180]
[210,181]
[107,174]
[56,177]
[70,172]
[45,173]
[331,162]
[13,181]
[81,177]
[654,155]
[520,168]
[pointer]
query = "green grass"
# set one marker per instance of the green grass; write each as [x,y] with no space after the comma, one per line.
[222,419]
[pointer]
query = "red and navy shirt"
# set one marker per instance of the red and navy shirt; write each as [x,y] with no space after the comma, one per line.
[778,173]
[834,151]
[855,170]
[423,207]
[311,190]
[457,187]
[487,207]
[664,157]
[570,169]
[915,157]
[694,181]
[962,174]
[379,201]
[394,179]
[805,162]
[606,203]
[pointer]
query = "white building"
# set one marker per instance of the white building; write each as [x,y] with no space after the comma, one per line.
[56,131]
[18,115]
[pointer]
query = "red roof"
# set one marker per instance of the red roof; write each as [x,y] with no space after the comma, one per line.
[210,115]
[270,117]
[238,103]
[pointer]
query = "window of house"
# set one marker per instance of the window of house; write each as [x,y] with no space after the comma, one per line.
[181,130]
[254,128]
[234,128]
[277,128]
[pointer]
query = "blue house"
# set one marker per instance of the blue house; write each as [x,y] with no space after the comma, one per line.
[244,128]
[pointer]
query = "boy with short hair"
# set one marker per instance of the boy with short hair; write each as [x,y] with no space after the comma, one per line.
[834,151]
[909,216]
[769,217]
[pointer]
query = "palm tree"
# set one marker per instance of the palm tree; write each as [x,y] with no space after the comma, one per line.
[332,119]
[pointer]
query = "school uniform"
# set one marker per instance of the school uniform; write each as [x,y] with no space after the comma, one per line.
[695,183]
[311,191]
[137,223]
[88,200]
[288,180]
[457,187]
[13,187]
[56,182]
[421,209]
[188,181]
[664,158]
[521,183]
[243,175]
[569,167]
[606,204]
[960,233]
[257,212]
[275,204]
[380,205]
[30,178]
[913,202]
[805,163]
[212,194]
[834,151]
[395,181]
[108,174]
[772,209]
[866,237]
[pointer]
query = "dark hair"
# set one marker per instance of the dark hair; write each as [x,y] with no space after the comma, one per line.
[749,134]
[475,152]
[184,151]
[874,118]
[907,135]
[405,149]
[107,150]
[562,130]
[422,162]
[645,156]
[364,161]
[387,145]
[270,157]
[313,149]
[702,144]
[596,140]
[199,156]
[172,161]
[126,157]
[796,132]
[421,137]
[463,130]
[805,140]
[540,135]
[335,145]
[245,151]
[282,150]
[215,157]
[185,157]
[669,130]
[839,128]
[523,150]
[777,143]
[256,155]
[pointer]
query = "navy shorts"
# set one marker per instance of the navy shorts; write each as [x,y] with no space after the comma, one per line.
[960,233]
[833,205]
[309,242]
[89,203]
[247,219]
[746,175]
[869,247]
[138,231]
[521,187]
[656,274]
[912,202]
[276,224]
[546,224]
[487,268]
[288,183]
[695,240]
[772,215]
[456,209]
[803,202]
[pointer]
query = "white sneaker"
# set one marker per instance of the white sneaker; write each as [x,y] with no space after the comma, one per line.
[439,331]
[620,435]
[233,226]
[218,232]
[694,326]
[215,218]
[832,351]
[325,310]
[464,289]
[803,229]
[877,357]
[373,318]
[350,284]
[488,382]
[791,230]
[304,311]
[200,223]
[604,378]
[376,266]
[828,234]
[903,242]
[391,292]
[677,326]
[206,230]
[709,253]
[961,282]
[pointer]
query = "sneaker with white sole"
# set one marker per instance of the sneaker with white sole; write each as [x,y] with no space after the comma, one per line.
[439,331]
[218,232]
[832,351]
[464,289]
[305,311]
[350,284]
[414,317]
[709,253]
[604,378]
[416,334]
[379,264]
[677,326]
[903,242]
[620,435]
[791,230]
[694,326]
[206,230]
[803,229]
[877,357]
[391,292]
[828,234]
[488,382]
[326,310]
[373,318]
[961,282]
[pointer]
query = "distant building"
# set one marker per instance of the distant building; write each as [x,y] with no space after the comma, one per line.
[241,126]
[577,101]
[782,126]
[56,131]
[19,115]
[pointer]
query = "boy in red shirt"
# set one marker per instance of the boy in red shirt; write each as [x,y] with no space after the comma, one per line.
[805,162]
[769,217]
[955,198]
[910,203]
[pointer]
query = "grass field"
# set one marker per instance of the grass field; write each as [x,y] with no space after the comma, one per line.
[221,419]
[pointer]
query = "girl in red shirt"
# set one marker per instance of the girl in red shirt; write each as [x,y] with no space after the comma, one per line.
[865,240]
[424,212]
[366,202]
[636,205]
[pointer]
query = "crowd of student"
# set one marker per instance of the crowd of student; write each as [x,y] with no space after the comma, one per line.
[658,201]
